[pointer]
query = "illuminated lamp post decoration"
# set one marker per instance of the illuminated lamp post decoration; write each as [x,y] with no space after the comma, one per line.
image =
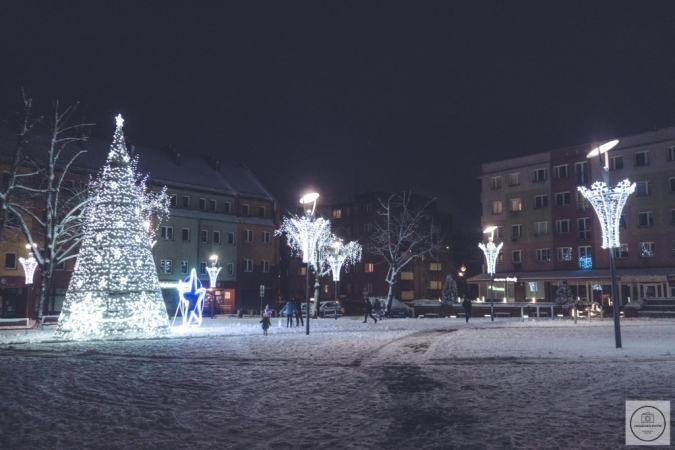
[491,253]
[190,301]
[304,235]
[608,203]
[213,272]
[339,255]
[114,289]
[29,265]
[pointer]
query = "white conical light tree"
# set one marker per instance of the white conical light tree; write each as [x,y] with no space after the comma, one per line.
[114,288]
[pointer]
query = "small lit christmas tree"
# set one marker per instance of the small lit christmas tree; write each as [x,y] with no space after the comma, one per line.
[564,295]
[114,288]
[449,292]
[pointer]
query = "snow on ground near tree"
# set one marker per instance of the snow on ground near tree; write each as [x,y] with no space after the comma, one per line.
[400,383]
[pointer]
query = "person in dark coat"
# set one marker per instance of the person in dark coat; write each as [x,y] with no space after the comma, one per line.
[369,311]
[289,309]
[298,314]
[265,324]
[466,304]
[377,307]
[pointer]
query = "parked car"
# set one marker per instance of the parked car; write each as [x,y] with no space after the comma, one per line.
[330,309]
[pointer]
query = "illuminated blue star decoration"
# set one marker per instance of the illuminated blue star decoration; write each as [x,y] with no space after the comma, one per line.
[191,301]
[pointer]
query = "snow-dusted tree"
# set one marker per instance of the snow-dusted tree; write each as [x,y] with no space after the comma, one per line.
[49,211]
[449,291]
[114,288]
[404,233]
[19,167]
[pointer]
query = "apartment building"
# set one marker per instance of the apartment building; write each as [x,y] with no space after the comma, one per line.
[218,210]
[551,233]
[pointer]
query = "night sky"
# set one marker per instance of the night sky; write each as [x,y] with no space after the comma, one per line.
[350,96]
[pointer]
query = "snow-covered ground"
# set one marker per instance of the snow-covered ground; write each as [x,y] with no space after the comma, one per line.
[400,383]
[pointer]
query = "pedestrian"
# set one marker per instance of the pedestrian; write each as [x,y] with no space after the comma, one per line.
[289,309]
[298,314]
[265,324]
[267,312]
[466,304]
[368,310]
[377,307]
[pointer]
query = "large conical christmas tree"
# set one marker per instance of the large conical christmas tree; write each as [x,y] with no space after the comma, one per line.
[114,289]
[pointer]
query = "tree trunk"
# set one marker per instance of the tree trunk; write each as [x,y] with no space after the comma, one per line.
[317,291]
[390,296]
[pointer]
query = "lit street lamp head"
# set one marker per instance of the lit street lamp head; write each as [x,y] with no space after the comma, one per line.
[310,198]
[490,230]
[603,148]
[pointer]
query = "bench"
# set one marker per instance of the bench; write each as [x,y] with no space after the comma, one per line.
[428,315]
[49,320]
[19,323]
[502,314]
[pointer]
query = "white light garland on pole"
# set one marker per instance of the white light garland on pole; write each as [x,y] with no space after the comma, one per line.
[304,236]
[608,203]
[29,265]
[338,255]
[491,253]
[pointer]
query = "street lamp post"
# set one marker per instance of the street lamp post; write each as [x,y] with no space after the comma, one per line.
[29,265]
[608,203]
[213,277]
[309,251]
[491,253]
[462,271]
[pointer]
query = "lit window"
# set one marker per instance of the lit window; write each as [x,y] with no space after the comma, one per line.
[516,205]
[369,267]
[337,213]
[496,207]
[585,257]
[500,258]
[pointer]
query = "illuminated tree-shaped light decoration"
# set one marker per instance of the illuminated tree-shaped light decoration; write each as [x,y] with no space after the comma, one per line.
[29,265]
[191,300]
[491,254]
[114,288]
[608,203]
[304,234]
[339,255]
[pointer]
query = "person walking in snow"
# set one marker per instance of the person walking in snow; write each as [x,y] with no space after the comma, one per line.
[265,324]
[466,304]
[267,313]
[377,307]
[298,308]
[289,309]
[368,310]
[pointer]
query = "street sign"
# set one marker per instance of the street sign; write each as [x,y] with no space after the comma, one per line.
[262,290]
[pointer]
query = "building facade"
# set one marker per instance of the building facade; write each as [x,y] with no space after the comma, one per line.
[551,233]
